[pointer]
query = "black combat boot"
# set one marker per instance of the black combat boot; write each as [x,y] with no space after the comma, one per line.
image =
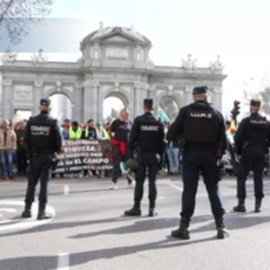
[222,232]
[41,212]
[241,206]
[134,211]
[182,232]
[258,204]
[27,211]
[152,212]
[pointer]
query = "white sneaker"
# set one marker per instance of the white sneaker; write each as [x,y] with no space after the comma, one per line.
[114,186]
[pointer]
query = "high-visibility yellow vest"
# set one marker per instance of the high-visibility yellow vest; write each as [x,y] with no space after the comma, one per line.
[72,134]
[104,132]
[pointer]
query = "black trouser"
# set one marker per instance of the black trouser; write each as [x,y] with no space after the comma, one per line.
[253,159]
[194,163]
[148,161]
[39,168]
[21,160]
[117,159]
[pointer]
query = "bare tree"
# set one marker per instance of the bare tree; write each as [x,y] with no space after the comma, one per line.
[260,90]
[17,17]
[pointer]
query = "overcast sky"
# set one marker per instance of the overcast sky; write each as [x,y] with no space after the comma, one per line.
[238,30]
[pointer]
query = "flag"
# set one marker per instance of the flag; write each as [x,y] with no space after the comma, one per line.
[162,115]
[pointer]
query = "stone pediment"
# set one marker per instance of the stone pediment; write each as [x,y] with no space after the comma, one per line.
[116,35]
[117,38]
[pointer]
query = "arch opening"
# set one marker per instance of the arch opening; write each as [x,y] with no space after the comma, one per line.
[170,107]
[112,105]
[61,107]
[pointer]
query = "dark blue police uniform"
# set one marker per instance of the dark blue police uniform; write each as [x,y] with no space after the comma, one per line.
[147,137]
[202,129]
[251,142]
[43,139]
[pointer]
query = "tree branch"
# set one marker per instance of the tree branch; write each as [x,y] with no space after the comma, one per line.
[6,10]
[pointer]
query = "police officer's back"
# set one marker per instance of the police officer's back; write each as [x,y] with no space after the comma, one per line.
[251,142]
[147,138]
[202,129]
[43,139]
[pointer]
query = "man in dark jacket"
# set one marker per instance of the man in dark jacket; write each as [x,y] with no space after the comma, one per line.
[147,135]
[251,142]
[43,140]
[203,130]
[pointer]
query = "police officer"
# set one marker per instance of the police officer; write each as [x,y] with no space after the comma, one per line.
[251,142]
[43,139]
[203,130]
[147,137]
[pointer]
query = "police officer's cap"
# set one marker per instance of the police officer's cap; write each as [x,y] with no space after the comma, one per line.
[200,90]
[255,103]
[45,102]
[148,102]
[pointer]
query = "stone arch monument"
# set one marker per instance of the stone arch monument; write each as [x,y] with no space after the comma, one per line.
[115,62]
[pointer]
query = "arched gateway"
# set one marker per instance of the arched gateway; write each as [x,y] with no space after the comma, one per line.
[115,63]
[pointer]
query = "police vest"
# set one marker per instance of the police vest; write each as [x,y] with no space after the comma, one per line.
[257,131]
[201,124]
[75,134]
[149,136]
[42,135]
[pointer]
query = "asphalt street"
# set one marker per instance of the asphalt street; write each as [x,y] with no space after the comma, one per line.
[88,230]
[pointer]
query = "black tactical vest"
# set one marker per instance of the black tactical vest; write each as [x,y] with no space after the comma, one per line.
[257,131]
[149,135]
[42,135]
[201,124]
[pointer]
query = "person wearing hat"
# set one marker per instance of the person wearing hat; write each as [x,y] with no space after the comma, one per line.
[251,142]
[42,139]
[102,133]
[202,129]
[147,135]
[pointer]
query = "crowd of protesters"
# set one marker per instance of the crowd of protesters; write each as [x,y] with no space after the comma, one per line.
[14,154]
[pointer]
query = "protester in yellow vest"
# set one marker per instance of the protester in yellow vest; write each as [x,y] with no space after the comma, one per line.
[102,133]
[75,132]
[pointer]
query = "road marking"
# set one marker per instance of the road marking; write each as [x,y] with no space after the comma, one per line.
[20,224]
[63,261]
[174,186]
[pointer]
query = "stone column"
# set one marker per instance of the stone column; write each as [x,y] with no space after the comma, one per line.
[77,112]
[138,99]
[99,101]
[7,99]
[37,95]
[86,106]
[90,102]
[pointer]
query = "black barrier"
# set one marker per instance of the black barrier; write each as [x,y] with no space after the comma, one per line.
[79,155]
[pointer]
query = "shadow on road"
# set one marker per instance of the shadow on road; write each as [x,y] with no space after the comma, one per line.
[49,262]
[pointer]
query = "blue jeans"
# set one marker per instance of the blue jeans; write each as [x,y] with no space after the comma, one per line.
[7,162]
[174,158]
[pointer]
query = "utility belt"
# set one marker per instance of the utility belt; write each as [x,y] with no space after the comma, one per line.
[48,158]
[247,145]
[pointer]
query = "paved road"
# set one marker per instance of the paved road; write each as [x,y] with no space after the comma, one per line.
[89,231]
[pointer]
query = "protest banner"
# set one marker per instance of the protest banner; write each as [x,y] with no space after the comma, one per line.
[80,155]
